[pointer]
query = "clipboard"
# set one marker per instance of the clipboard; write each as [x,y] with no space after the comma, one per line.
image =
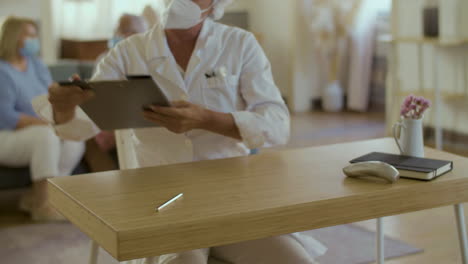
[119,104]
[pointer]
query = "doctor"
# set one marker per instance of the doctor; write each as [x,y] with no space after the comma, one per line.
[225,103]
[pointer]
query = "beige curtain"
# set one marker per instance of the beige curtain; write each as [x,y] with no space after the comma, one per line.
[361,54]
[321,50]
[355,59]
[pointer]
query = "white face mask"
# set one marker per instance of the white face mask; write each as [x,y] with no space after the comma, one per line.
[184,14]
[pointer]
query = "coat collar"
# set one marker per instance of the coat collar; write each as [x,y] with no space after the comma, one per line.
[157,47]
[161,62]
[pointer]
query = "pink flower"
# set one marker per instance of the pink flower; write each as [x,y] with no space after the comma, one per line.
[419,100]
[408,100]
[403,112]
[427,103]
[414,107]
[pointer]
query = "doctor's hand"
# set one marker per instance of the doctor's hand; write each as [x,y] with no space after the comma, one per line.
[181,117]
[64,100]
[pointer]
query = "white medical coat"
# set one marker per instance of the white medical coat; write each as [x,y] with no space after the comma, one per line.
[243,86]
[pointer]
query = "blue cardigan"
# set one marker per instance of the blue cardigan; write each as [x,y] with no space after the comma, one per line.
[17,89]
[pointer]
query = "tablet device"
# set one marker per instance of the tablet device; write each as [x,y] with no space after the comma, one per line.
[120,104]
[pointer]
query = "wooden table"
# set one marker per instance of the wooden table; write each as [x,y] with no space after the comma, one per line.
[234,200]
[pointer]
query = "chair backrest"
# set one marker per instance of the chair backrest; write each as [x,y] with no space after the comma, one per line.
[149,147]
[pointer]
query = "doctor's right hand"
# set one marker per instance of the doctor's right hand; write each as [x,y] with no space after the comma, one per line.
[65,99]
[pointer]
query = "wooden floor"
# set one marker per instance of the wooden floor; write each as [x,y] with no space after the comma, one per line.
[433,230]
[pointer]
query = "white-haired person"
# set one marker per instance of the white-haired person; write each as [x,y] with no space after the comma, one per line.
[127,26]
[25,139]
[224,101]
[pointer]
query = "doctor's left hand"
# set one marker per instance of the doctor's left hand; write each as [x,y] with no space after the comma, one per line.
[181,117]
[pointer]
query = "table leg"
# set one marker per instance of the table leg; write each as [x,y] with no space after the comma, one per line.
[93,252]
[460,213]
[380,242]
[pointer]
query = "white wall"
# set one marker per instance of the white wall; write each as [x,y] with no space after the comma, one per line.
[274,21]
[306,71]
[37,10]
[26,8]
[241,5]
[286,42]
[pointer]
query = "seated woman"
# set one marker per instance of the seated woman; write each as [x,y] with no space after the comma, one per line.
[25,140]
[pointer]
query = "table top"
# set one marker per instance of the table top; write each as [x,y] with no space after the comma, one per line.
[240,199]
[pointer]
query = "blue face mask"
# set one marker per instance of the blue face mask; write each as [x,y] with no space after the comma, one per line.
[113,41]
[32,46]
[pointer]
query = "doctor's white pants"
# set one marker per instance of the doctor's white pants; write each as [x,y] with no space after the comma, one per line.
[39,148]
[285,249]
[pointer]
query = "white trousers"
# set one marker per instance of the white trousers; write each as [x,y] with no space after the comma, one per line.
[39,148]
[285,249]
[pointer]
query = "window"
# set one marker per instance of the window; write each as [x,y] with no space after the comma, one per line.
[96,19]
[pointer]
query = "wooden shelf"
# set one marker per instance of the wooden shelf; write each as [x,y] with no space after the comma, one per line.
[87,50]
[416,40]
[430,95]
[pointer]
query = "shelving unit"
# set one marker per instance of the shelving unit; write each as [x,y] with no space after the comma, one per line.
[437,94]
[432,41]
[395,93]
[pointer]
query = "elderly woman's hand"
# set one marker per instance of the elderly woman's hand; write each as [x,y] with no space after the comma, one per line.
[181,117]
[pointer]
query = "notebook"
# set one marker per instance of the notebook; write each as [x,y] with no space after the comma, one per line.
[411,167]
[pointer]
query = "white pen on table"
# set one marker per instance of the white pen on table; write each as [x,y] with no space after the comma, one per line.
[170,202]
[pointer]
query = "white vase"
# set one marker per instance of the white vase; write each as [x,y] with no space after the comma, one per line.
[408,135]
[333,97]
